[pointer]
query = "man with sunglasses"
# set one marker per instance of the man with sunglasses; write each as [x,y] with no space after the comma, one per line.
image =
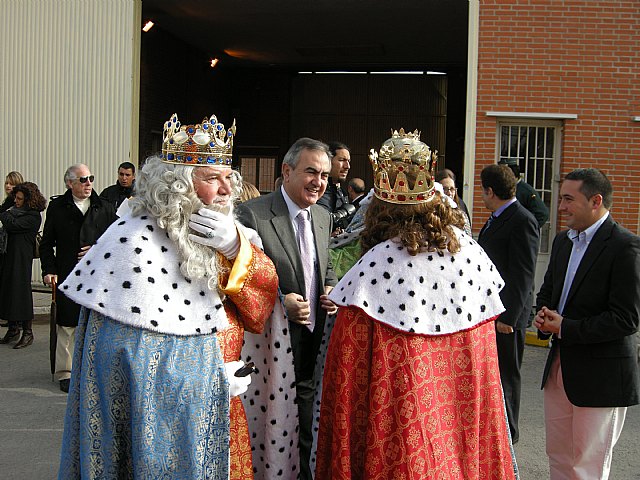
[74,221]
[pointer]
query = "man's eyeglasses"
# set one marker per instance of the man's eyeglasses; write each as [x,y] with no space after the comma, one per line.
[449,189]
[84,179]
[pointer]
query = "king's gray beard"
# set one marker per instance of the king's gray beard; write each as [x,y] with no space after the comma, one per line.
[197,260]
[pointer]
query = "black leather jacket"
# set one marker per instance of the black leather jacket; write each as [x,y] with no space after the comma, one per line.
[334,200]
[116,194]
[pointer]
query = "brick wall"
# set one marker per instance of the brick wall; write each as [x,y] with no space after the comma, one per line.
[556,56]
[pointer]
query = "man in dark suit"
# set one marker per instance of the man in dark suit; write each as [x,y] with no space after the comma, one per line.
[590,303]
[510,238]
[305,172]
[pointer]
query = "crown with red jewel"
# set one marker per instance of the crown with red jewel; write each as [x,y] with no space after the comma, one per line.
[404,155]
[203,144]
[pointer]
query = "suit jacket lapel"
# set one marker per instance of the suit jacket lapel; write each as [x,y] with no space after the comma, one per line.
[499,221]
[597,244]
[284,230]
[320,227]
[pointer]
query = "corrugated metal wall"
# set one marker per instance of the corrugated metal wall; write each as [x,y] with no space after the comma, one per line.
[69,71]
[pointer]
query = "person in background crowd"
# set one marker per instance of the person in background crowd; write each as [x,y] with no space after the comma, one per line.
[249,191]
[334,198]
[74,222]
[397,401]
[590,304]
[356,191]
[12,179]
[450,189]
[123,189]
[21,223]
[510,237]
[526,194]
[447,179]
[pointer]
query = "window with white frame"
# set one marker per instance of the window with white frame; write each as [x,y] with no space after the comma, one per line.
[260,171]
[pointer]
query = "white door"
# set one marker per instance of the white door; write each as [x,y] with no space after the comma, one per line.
[536,145]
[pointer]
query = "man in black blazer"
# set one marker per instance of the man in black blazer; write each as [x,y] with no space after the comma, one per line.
[305,172]
[590,303]
[510,238]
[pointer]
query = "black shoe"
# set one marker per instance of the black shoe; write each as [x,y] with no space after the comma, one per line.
[25,340]
[11,335]
[64,385]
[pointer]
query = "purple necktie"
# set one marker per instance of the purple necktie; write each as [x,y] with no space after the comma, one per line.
[307,255]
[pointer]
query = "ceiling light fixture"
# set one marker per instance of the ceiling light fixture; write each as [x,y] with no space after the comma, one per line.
[340,72]
[398,72]
[147,26]
[214,62]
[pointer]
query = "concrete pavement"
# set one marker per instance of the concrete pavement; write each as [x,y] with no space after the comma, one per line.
[32,415]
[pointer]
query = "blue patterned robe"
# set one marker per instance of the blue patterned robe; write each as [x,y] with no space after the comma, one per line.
[144,405]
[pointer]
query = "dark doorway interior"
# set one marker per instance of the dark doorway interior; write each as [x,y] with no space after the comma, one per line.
[361,109]
[273,103]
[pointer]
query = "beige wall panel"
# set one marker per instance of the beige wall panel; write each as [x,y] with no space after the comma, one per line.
[69,72]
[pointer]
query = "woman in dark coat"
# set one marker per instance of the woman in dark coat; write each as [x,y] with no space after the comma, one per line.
[21,223]
[13,179]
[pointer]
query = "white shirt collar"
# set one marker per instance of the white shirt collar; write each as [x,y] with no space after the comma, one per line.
[588,234]
[82,203]
[294,209]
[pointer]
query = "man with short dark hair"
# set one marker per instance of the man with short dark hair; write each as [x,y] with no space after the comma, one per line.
[528,197]
[510,238]
[123,189]
[334,198]
[356,191]
[288,220]
[590,304]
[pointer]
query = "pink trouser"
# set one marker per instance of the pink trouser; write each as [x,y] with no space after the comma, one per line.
[580,440]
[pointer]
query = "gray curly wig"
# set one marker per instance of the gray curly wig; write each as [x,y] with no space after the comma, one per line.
[166,192]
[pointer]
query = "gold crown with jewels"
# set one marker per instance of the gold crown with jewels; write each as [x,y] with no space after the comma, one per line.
[203,144]
[400,155]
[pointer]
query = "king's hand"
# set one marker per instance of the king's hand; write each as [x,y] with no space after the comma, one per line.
[218,231]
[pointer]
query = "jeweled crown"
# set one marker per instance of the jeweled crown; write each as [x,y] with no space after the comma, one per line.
[203,144]
[404,155]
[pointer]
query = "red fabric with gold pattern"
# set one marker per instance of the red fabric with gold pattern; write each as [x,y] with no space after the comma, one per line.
[230,341]
[416,407]
[250,309]
[257,295]
[239,443]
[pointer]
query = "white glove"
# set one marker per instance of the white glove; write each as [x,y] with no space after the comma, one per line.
[237,385]
[219,231]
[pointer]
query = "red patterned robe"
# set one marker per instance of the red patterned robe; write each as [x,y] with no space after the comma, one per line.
[251,283]
[411,387]
[397,405]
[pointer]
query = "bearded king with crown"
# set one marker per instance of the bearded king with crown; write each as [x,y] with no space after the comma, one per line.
[167,295]
[411,385]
